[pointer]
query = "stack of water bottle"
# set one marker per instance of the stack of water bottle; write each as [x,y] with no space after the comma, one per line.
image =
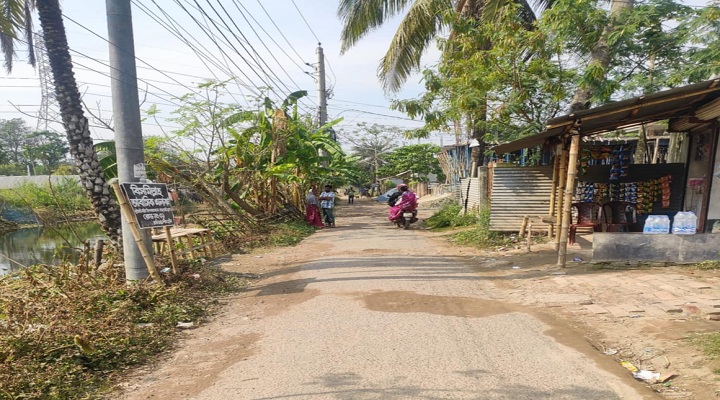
[684,223]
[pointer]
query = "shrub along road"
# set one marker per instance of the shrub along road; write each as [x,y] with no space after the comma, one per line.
[369,311]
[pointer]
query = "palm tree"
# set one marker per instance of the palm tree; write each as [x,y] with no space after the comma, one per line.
[423,22]
[15,17]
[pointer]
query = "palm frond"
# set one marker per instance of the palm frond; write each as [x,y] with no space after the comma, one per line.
[362,16]
[15,16]
[423,22]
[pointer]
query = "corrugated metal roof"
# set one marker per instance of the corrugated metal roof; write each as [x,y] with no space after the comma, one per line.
[669,104]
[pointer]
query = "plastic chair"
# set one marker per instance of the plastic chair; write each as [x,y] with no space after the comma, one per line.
[618,215]
[588,216]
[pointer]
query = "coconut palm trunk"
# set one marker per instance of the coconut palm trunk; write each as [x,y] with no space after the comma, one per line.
[76,124]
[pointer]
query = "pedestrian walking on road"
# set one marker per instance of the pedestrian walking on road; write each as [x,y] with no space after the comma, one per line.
[327,204]
[351,195]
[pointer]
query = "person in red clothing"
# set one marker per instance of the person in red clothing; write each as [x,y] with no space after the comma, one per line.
[406,202]
[312,210]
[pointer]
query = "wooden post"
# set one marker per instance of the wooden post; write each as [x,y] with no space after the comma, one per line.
[171,249]
[569,188]
[191,245]
[127,212]
[562,176]
[98,252]
[211,243]
[529,235]
[553,194]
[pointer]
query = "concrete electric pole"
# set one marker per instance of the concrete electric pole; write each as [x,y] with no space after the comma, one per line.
[126,112]
[322,91]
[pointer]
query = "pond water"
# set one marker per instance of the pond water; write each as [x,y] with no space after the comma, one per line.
[47,244]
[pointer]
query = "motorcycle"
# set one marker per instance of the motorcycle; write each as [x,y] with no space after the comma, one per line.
[408,215]
[406,218]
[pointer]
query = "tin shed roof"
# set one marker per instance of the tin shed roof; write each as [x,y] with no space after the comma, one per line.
[679,105]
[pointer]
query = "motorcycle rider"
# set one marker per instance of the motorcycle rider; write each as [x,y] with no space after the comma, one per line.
[406,201]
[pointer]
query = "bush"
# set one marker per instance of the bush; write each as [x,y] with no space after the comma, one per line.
[68,333]
[450,215]
[482,237]
[67,195]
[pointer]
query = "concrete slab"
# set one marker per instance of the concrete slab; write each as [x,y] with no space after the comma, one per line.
[639,247]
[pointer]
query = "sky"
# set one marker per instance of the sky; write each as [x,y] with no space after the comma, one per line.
[279,46]
[281,38]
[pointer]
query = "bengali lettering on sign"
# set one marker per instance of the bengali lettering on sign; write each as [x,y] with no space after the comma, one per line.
[150,203]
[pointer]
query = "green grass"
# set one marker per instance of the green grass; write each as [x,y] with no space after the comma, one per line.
[708,265]
[67,196]
[449,216]
[709,343]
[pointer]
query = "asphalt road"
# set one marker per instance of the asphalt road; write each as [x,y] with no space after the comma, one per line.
[375,312]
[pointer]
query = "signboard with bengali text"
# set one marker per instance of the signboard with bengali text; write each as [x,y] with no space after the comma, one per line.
[151,204]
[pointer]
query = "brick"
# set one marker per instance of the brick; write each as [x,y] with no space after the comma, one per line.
[665,295]
[617,311]
[653,310]
[669,308]
[631,308]
[709,296]
[675,290]
[699,285]
[596,309]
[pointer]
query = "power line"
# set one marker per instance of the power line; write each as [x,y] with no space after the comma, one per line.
[282,49]
[374,113]
[306,23]
[206,30]
[279,30]
[171,27]
[318,40]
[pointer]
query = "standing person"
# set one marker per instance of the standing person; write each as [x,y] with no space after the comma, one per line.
[351,195]
[327,203]
[312,210]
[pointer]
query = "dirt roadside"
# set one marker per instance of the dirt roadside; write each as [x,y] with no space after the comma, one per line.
[621,312]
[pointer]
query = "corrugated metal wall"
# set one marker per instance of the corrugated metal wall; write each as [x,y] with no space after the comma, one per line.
[517,192]
[469,194]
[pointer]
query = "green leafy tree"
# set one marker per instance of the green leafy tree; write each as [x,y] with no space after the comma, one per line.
[371,144]
[416,161]
[505,91]
[422,23]
[16,21]
[13,139]
[45,148]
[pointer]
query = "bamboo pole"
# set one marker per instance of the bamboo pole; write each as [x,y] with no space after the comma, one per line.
[553,194]
[171,249]
[569,188]
[127,212]
[562,176]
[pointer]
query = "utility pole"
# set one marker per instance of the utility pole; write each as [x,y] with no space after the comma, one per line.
[128,133]
[322,91]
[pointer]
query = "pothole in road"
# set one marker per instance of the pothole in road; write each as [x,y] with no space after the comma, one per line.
[411,302]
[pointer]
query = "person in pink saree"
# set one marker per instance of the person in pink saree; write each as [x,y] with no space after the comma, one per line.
[312,210]
[406,202]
